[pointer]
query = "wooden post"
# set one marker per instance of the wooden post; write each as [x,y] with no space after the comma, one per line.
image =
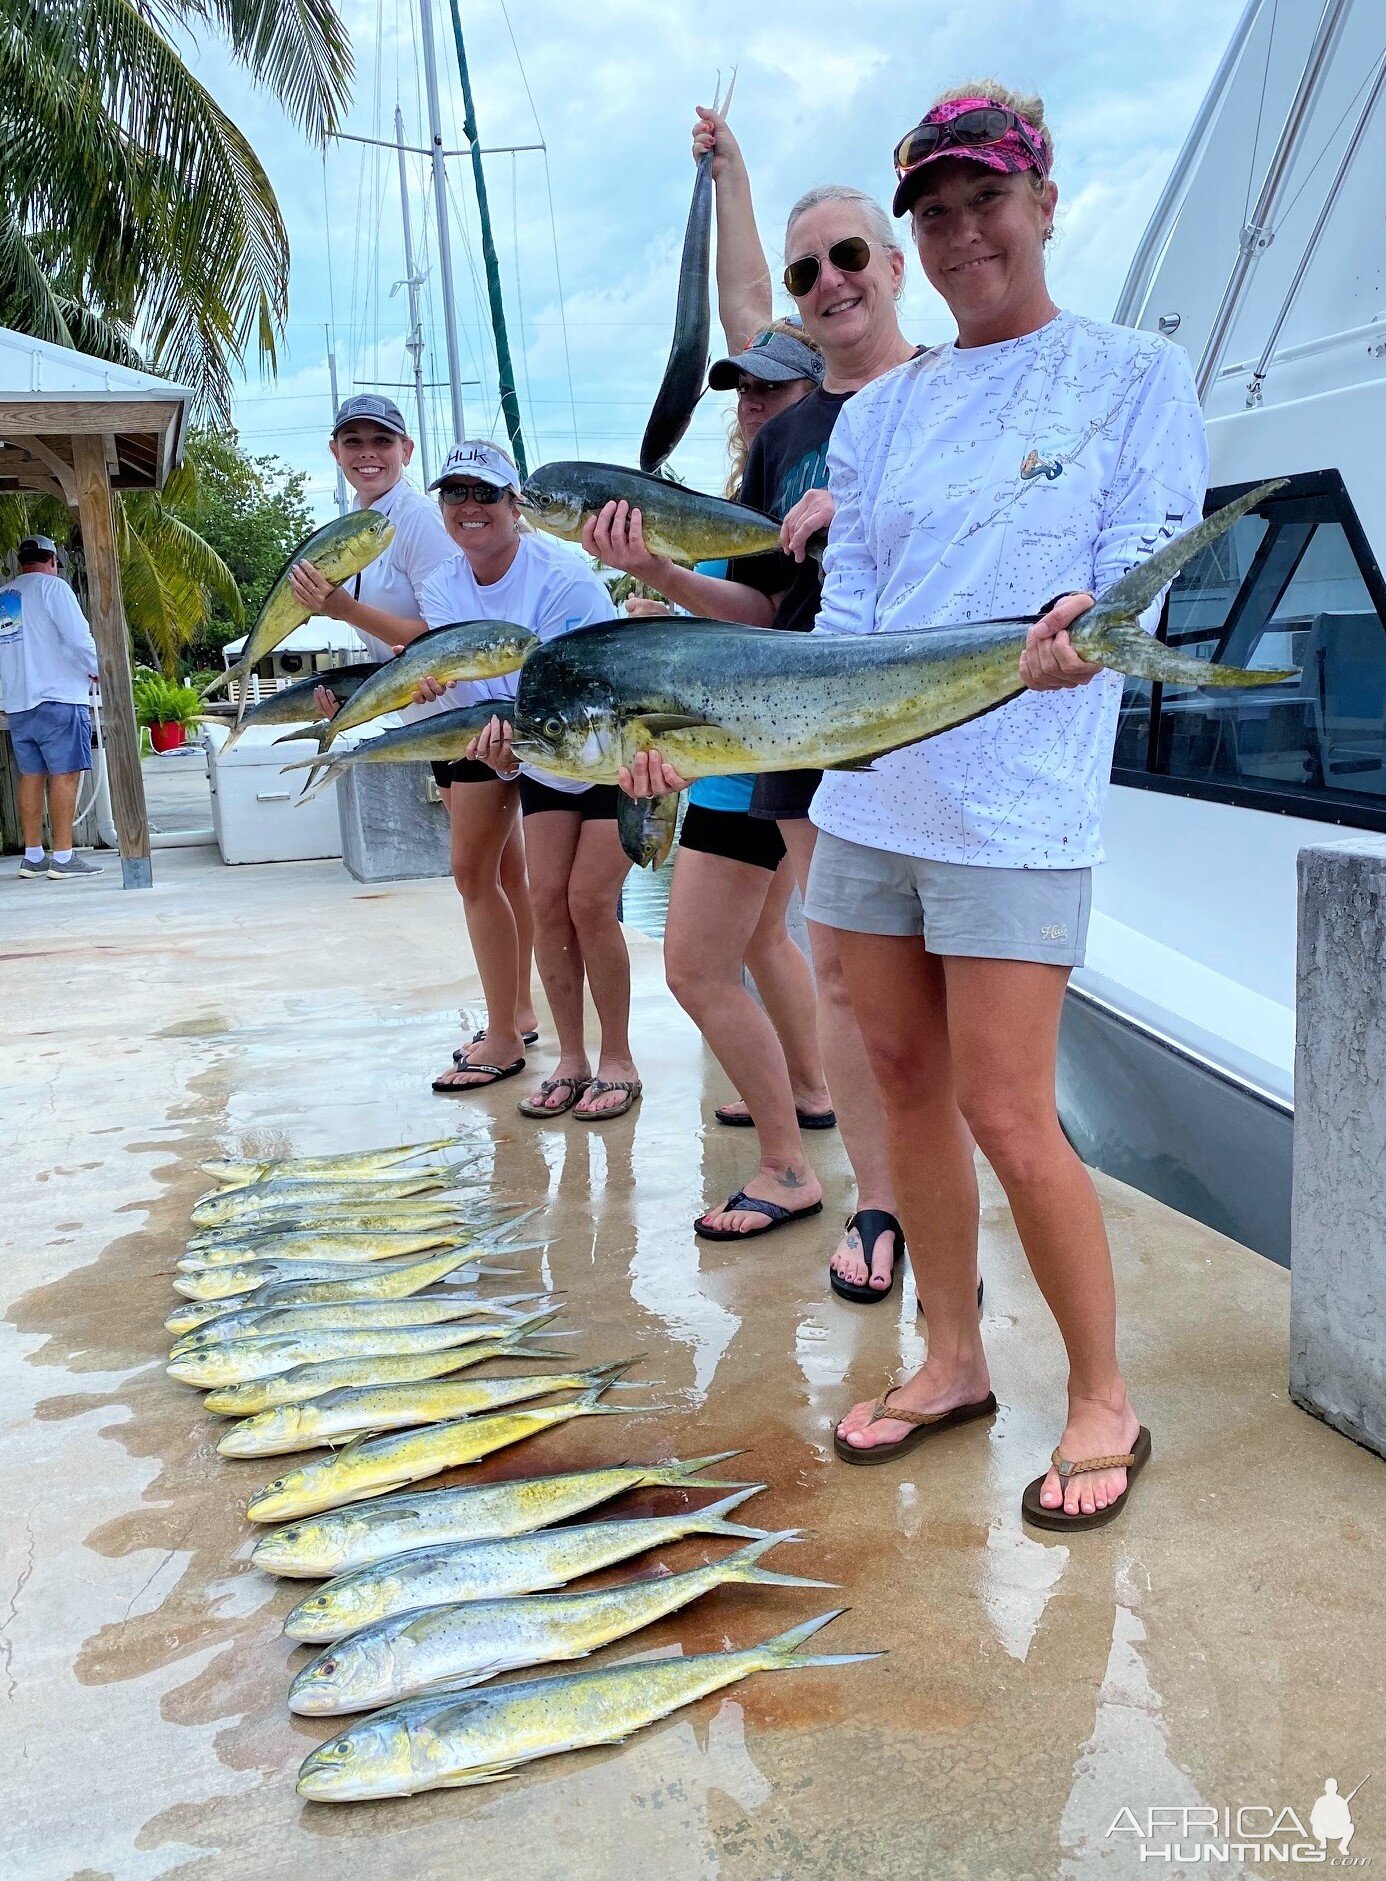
[119,731]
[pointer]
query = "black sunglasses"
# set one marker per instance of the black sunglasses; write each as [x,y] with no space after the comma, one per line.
[970,130]
[484,493]
[849,256]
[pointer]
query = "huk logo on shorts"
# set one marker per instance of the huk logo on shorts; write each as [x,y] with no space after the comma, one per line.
[1258,1834]
[1036,464]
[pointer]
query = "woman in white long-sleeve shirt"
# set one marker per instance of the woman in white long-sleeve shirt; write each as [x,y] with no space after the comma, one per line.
[1042,454]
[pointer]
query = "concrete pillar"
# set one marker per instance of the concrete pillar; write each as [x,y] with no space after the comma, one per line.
[1338,1226]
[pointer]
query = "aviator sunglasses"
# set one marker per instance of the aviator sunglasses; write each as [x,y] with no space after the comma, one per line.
[484,493]
[969,130]
[848,256]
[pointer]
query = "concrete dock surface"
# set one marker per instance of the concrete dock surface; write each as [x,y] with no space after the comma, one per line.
[1220,1648]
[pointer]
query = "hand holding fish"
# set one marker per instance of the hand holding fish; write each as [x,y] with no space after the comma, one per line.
[492,746]
[810,516]
[1048,662]
[327,702]
[314,591]
[639,607]
[616,536]
[648,775]
[712,133]
[427,690]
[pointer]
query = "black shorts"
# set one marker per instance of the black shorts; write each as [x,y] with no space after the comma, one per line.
[595,804]
[735,834]
[784,796]
[463,771]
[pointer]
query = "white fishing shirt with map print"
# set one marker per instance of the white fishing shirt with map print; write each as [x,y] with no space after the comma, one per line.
[979,484]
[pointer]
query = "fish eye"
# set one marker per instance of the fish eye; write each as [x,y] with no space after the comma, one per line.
[552,727]
[328,1665]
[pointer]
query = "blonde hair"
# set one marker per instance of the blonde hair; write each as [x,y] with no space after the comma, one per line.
[1026,104]
[737,447]
[872,214]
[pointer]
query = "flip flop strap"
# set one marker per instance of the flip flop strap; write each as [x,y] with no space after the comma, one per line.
[915,1418]
[599,1085]
[1067,1469]
[550,1085]
[743,1204]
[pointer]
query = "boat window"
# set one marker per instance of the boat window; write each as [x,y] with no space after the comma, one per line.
[1292,585]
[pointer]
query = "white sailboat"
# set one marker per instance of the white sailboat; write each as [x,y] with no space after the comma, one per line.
[1265,259]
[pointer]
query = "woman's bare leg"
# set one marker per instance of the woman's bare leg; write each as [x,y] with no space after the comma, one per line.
[482,816]
[515,882]
[594,891]
[716,906]
[856,1099]
[551,842]
[1003,1021]
[785,984]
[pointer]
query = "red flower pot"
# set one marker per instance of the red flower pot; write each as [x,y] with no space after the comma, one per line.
[166,737]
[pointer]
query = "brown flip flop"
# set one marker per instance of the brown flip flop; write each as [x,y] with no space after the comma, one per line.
[575,1088]
[1133,1463]
[926,1424]
[599,1087]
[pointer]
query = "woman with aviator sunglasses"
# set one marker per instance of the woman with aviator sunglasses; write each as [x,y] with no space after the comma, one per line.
[956,875]
[845,272]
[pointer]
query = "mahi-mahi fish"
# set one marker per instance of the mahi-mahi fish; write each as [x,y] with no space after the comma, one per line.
[339,550]
[683,524]
[316,1381]
[348,1165]
[469,649]
[437,739]
[454,1739]
[364,1532]
[458,1645]
[717,698]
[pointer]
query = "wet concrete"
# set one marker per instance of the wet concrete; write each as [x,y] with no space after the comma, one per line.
[1222,1645]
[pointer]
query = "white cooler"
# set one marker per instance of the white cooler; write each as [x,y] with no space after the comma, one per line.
[256,812]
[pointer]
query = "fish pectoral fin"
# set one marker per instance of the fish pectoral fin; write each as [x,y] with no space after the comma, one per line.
[482,1773]
[852,764]
[657,723]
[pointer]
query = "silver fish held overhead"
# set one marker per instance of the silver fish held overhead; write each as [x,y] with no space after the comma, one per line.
[452,1740]
[364,1532]
[717,699]
[683,524]
[340,549]
[457,1645]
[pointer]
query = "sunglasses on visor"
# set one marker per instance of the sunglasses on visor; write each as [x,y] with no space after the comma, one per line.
[454,493]
[970,130]
[848,256]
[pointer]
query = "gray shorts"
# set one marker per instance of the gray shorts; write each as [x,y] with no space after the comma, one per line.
[957,907]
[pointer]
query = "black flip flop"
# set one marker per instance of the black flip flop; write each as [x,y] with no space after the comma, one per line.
[873,1223]
[495,1074]
[526,1038]
[776,1217]
[808,1119]
[925,1425]
[1133,1463]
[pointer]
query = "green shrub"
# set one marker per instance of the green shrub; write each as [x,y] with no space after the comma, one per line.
[160,701]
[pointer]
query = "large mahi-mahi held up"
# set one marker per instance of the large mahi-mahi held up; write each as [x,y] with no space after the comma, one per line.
[717,698]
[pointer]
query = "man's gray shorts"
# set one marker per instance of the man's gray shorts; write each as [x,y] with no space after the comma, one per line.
[957,907]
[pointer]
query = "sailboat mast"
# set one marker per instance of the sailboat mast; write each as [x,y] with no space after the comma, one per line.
[440,201]
[414,345]
[505,371]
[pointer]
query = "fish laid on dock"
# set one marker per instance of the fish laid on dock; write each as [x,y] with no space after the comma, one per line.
[459,1645]
[375,1465]
[343,1249]
[717,698]
[224,1280]
[349,1166]
[342,1415]
[237,1361]
[316,1381]
[339,550]
[490,1570]
[383,1280]
[366,1532]
[683,524]
[452,1740]
[221,1207]
[269,1322]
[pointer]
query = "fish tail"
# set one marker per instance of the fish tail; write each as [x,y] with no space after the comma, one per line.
[674,1475]
[215,685]
[741,1566]
[712,1519]
[604,1376]
[1139,587]
[532,1322]
[1127,648]
[782,1652]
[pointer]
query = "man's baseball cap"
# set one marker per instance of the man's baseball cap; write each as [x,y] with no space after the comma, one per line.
[773,357]
[34,548]
[479,460]
[381,411]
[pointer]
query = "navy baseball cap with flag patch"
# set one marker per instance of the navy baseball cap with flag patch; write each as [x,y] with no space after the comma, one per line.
[774,358]
[370,405]
[480,460]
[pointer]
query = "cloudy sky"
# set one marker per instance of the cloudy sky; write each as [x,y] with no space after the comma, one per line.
[610,90]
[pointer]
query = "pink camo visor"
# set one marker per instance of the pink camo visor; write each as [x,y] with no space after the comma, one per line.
[975,129]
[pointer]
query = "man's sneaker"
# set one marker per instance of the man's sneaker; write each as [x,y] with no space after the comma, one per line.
[30,871]
[75,865]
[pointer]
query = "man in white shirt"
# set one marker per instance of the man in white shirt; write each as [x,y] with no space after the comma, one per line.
[47,666]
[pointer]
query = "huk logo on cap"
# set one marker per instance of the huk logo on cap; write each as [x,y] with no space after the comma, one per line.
[476,457]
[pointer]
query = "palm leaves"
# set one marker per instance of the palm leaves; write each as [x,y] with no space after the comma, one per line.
[131,207]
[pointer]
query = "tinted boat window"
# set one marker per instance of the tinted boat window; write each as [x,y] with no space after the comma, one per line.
[1294,585]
